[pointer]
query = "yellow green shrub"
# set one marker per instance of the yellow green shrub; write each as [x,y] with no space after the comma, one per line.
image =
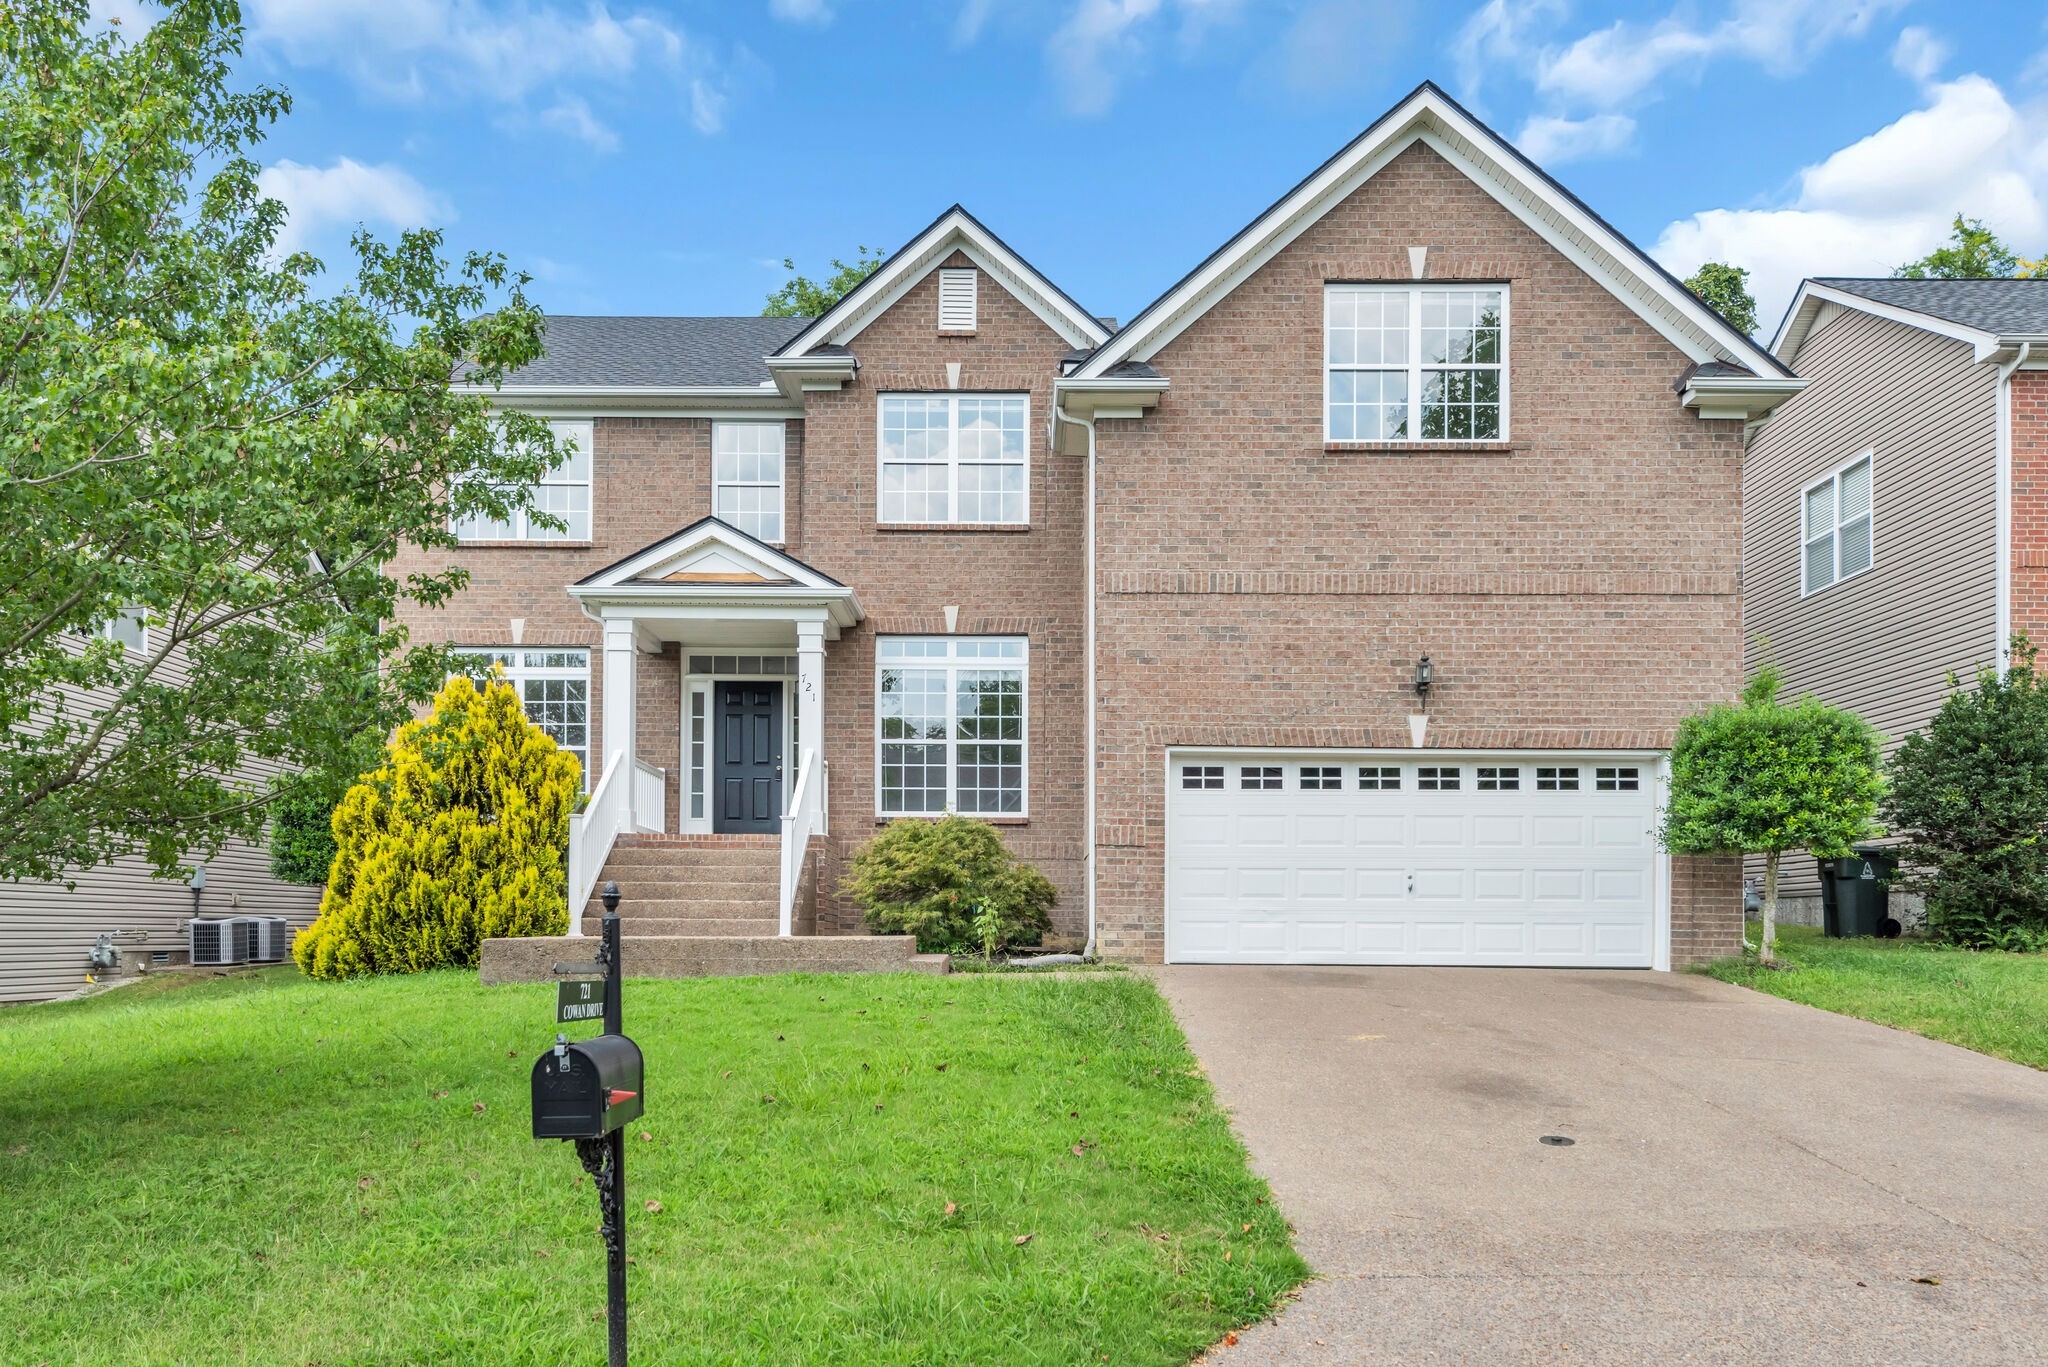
[456,838]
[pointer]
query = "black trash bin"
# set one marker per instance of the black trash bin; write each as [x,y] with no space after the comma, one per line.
[1856,893]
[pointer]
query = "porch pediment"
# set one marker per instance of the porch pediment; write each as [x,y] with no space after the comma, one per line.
[709,564]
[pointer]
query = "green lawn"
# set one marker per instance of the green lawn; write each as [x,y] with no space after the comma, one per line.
[264,1170]
[1993,1003]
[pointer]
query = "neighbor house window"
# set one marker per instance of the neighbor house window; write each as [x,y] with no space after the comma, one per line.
[952,724]
[127,630]
[1410,364]
[746,476]
[954,458]
[554,686]
[1835,513]
[564,492]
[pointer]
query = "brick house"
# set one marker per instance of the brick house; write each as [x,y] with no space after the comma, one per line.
[1159,600]
[1897,508]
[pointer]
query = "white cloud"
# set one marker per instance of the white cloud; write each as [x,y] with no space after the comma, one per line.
[1501,33]
[1918,53]
[1089,51]
[1887,198]
[1330,45]
[707,107]
[1550,140]
[321,198]
[571,114]
[801,11]
[973,17]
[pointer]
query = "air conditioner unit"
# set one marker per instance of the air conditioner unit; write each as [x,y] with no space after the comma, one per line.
[221,941]
[270,939]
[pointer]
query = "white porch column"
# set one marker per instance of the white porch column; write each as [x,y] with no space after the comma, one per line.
[619,686]
[810,687]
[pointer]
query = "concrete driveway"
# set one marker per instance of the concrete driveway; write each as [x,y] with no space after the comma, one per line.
[1751,1182]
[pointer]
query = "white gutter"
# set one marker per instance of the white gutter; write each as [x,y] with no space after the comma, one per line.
[2003,539]
[1060,415]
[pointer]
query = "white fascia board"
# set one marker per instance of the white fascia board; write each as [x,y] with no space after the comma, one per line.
[1738,396]
[586,399]
[1429,119]
[796,376]
[1806,304]
[840,607]
[622,574]
[1128,397]
[875,295]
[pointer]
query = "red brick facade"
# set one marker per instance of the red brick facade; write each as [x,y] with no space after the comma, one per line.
[2029,433]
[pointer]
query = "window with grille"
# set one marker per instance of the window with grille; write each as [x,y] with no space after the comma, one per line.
[1201,776]
[1496,780]
[553,685]
[1836,515]
[1259,776]
[1437,778]
[1621,779]
[1379,777]
[1403,363]
[954,458]
[563,492]
[1556,779]
[1322,776]
[952,724]
[746,477]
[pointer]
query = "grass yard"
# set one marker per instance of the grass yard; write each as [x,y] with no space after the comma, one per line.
[258,1169]
[1993,1003]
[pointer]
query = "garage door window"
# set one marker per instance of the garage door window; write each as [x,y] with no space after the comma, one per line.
[1259,776]
[1626,779]
[1557,778]
[1379,777]
[1322,776]
[1201,776]
[1494,780]
[1437,778]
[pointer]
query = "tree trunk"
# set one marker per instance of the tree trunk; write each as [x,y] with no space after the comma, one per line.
[1770,932]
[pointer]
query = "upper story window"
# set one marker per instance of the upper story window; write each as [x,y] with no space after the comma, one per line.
[128,629]
[1404,363]
[564,492]
[954,458]
[1835,532]
[746,477]
[956,299]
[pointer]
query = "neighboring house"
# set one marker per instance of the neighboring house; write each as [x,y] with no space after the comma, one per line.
[1897,509]
[1153,599]
[47,931]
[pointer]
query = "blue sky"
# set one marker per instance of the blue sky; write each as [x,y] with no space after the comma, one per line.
[663,158]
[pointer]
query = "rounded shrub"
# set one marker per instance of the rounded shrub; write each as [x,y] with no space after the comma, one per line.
[933,879]
[456,838]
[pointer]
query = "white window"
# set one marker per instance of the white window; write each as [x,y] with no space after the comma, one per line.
[1201,776]
[1436,778]
[128,630]
[1320,776]
[1259,776]
[951,724]
[564,491]
[956,299]
[553,684]
[954,458]
[1557,780]
[1492,780]
[1383,778]
[1410,364]
[746,477]
[1623,779]
[1835,517]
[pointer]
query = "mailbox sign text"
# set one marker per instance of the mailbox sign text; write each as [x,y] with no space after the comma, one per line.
[579,1001]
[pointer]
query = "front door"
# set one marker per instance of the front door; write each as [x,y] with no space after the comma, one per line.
[748,759]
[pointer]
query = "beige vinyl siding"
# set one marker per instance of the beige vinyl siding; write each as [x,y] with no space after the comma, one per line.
[1882,642]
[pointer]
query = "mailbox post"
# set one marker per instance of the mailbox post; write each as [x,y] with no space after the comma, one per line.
[587,1091]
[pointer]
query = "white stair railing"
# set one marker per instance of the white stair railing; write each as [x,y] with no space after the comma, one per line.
[804,818]
[650,797]
[591,833]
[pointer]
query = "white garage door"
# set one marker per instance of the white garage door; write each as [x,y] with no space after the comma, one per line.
[1522,859]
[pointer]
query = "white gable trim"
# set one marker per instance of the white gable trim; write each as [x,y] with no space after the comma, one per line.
[955,229]
[1430,117]
[1813,297]
[718,548]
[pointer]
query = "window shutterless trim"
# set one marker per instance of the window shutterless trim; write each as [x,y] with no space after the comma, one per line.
[521,529]
[1808,535]
[1415,368]
[952,463]
[780,484]
[952,663]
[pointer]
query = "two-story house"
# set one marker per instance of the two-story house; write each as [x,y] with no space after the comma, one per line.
[1897,509]
[1338,608]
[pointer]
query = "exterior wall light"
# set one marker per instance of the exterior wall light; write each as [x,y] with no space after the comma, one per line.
[1425,677]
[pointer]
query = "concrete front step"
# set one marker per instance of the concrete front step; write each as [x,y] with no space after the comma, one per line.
[671,889]
[693,856]
[663,907]
[532,959]
[687,925]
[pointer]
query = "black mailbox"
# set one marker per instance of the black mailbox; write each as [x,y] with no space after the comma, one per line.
[587,1089]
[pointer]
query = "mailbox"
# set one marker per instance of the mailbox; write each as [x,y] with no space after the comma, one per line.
[587,1089]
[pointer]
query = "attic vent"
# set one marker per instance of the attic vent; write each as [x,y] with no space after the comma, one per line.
[956,300]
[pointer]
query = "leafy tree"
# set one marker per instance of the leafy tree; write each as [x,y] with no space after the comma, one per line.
[456,838]
[802,297]
[1972,252]
[1763,777]
[936,879]
[1725,289]
[221,444]
[1970,793]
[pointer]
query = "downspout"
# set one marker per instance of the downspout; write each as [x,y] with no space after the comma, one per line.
[2003,539]
[1061,415]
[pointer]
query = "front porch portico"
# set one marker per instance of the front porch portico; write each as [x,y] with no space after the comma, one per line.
[751,626]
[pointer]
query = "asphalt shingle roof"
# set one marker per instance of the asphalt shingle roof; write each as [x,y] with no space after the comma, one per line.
[2006,307]
[585,350]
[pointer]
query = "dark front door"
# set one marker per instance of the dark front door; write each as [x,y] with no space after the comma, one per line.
[748,759]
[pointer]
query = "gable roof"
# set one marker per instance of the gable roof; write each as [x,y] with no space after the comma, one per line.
[1984,313]
[1430,116]
[953,230]
[713,551]
[655,352]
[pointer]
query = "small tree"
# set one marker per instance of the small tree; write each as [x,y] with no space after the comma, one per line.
[1764,777]
[803,297]
[1725,289]
[1971,794]
[1972,252]
[456,838]
[934,879]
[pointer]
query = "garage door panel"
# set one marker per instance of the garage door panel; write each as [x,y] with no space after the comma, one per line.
[1300,870]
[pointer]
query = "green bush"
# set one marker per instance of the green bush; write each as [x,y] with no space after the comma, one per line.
[302,815]
[1970,794]
[456,838]
[932,878]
